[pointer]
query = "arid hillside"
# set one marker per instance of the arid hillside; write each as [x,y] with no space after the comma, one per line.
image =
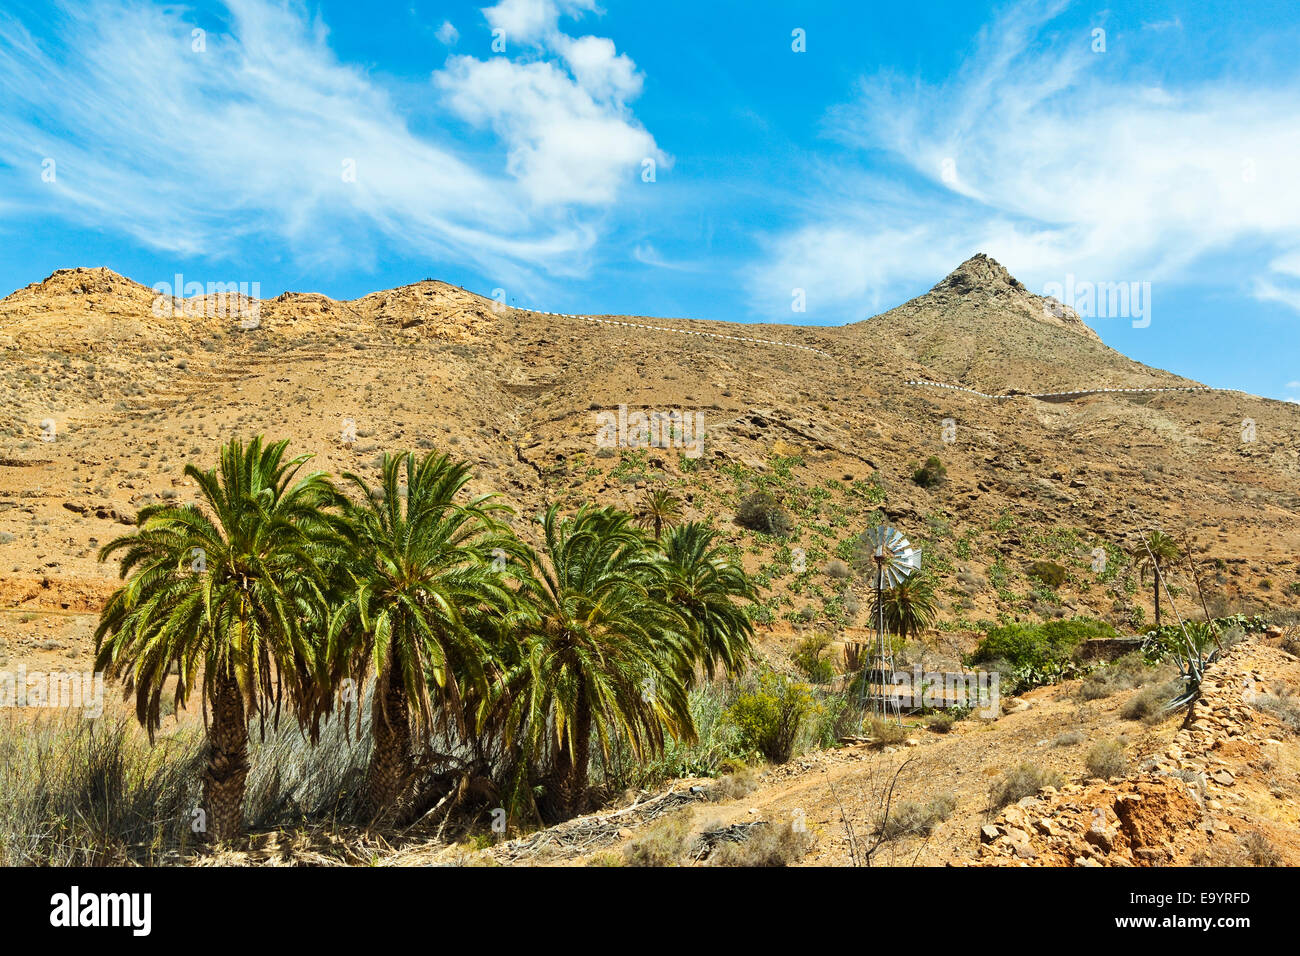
[109,390]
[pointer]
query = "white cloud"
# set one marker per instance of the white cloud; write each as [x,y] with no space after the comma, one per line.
[1060,167]
[447,33]
[570,135]
[1267,291]
[196,152]
[606,75]
[646,254]
[532,21]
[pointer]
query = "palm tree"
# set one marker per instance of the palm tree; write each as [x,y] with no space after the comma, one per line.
[419,564]
[1158,551]
[910,606]
[225,594]
[603,657]
[659,507]
[704,586]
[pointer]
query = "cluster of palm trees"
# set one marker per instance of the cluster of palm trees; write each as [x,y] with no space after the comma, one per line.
[282,589]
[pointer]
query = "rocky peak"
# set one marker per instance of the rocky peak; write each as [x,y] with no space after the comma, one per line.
[981,279]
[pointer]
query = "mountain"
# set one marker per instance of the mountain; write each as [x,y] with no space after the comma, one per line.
[822,417]
[981,328]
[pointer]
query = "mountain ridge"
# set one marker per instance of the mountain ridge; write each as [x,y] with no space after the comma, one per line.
[979,327]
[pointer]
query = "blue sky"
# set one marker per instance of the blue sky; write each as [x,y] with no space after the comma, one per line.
[343,147]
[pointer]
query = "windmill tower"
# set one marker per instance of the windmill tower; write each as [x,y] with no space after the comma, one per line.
[892,560]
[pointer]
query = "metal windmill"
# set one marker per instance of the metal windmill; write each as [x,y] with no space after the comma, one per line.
[893,559]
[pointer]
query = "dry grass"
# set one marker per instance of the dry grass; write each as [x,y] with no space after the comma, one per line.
[734,785]
[1282,705]
[769,845]
[1021,781]
[1106,759]
[666,842]
[885,733]
[1148,705]
[77,792]
[918,818]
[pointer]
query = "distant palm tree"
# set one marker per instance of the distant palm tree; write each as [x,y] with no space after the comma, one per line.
[603,657]
[706,587]
[227,594]
[420,564]
[1159,551]
[910,606]
[659,508]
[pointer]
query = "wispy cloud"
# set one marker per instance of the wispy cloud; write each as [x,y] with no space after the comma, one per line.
[194,143]
[447,33]
[646,254]
[1040,152]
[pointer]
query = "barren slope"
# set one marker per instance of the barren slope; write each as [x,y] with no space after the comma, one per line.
[134,396]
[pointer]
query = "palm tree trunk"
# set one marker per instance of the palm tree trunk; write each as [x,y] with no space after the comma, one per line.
[1157,577]
[223,779]
[391,763]
[582,751]
[567,792]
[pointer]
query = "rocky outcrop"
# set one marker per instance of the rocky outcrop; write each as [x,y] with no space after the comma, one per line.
[1180,802]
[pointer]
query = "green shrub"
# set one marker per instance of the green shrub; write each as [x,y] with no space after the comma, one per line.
[770,715]
[716,748]
[1037,646]
[931,473]
[1022,781]
[1106,759]
[1050,573]
[811,659]
[1017,644]
[759,511]
[1071,632]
